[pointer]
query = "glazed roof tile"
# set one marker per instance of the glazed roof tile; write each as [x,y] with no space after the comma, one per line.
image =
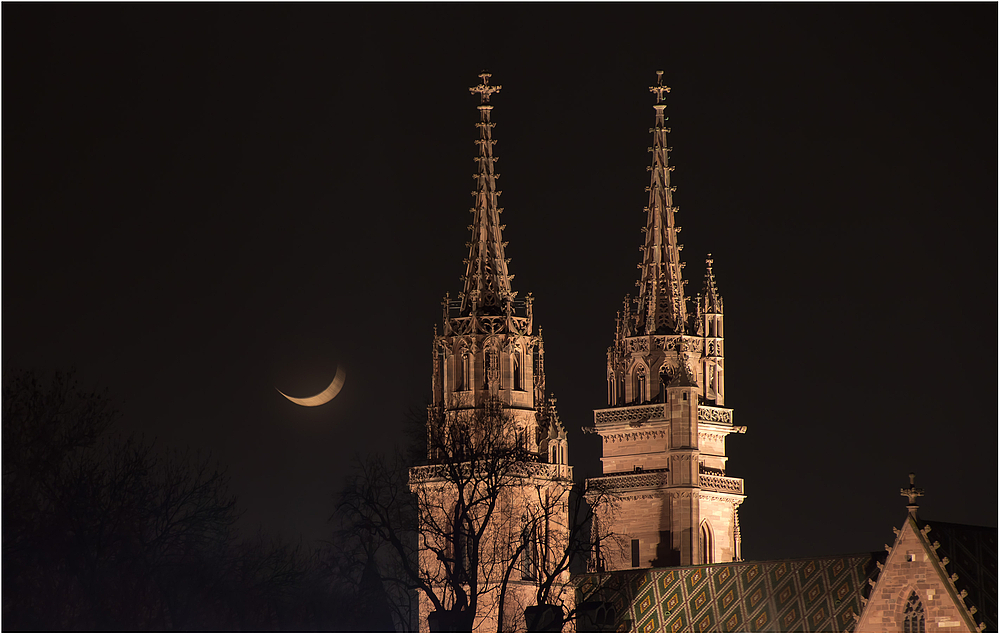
[796,595]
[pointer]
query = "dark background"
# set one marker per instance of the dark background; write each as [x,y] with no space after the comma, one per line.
[205,202]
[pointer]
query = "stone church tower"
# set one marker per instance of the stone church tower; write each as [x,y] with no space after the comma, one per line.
[665,426]
[489,409]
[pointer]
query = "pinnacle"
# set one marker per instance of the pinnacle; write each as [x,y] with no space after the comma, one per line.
[711,300]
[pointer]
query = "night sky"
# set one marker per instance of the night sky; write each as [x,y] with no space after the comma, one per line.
[203,203]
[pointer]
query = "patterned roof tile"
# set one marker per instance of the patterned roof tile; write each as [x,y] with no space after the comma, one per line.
[795,595]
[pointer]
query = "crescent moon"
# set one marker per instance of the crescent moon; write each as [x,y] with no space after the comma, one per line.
[327,395]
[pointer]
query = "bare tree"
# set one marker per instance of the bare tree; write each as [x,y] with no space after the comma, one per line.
[101,532]
[485,527]
[376,523]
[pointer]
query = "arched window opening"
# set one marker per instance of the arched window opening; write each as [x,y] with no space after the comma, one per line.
[491,369]
[913,615]
[611,390]
[640,385]
[706,541]
[442,371]
[518,368]
[529,551]
[462,377]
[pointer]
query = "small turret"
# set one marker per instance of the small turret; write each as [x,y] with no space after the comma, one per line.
[710,326]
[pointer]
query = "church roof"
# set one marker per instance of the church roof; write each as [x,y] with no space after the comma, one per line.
[972,556]
[796,595]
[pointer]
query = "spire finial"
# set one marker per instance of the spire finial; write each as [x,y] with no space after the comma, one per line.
[911,493]
[659,89]
[484,89]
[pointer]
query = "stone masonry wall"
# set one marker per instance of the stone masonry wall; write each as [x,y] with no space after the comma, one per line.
[911,566]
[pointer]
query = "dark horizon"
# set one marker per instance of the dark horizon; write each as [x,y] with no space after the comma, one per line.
[207,204]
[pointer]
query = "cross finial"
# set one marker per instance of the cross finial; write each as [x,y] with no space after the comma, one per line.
[911,493]
[659,89]
[484,89]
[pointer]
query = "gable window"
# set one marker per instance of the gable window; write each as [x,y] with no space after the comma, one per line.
[913,615]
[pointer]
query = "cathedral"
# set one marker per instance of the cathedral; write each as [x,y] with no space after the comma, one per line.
[500,539]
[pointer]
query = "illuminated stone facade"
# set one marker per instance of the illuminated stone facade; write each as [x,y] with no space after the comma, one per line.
[937,578]
[665,427]
[488,383]
[664,460]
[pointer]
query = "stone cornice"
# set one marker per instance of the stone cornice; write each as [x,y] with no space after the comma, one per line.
[636,480]
[635,435]
[611,419]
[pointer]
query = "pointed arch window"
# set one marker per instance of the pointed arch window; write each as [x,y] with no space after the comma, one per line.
[913,615]
[442,364]
[640,385]
[707,543]
[529,552]
[518,368]
[490,369]
[462,377]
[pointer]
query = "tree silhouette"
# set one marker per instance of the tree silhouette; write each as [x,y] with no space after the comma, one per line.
[107,533]
[483,527]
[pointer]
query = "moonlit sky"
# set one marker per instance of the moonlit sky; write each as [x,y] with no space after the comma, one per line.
[204,203]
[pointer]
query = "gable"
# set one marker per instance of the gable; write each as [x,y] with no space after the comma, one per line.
[913,567]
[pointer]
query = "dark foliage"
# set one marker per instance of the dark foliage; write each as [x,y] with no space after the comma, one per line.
[108,533]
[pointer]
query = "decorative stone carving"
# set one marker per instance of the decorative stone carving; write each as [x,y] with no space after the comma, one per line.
[644,435]
[629,414]
[721,483]
[641,496]
[714,414]
[632,481]
[684,494]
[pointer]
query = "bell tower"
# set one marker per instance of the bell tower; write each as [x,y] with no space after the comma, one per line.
[492,495]
[665,423]
[488,349]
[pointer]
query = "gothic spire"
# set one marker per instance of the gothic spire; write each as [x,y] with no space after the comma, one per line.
[486,282]
[661,304]
[711,301]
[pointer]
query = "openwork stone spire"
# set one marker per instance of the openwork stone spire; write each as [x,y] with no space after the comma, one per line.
[486,286]
[661,303]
